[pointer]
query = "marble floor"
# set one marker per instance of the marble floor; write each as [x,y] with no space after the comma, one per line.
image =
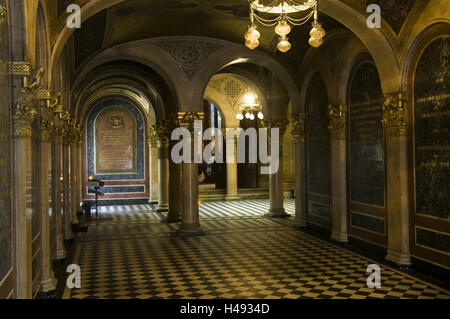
[131,254]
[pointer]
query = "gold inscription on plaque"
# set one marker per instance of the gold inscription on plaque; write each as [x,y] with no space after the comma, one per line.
[116,141]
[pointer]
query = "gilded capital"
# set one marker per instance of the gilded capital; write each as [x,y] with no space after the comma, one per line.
[152,135]
[187,119]
[279,124]
[394,114]
[299,127]
[338,123]
[163,130]
[24,109]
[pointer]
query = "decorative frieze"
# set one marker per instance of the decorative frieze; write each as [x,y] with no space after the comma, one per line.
[299,127]
[152,135]
[394,114]
[338,123]
[280,124]
[187,119]
[20,68]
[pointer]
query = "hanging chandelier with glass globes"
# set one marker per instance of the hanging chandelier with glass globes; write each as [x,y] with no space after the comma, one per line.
[284,11]
[249,108]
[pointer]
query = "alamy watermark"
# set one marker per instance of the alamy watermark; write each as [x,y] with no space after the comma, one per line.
[182,151]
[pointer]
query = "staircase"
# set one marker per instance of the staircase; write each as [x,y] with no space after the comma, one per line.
[207,193]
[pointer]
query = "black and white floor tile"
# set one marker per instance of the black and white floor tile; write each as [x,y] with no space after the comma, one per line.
[243,255]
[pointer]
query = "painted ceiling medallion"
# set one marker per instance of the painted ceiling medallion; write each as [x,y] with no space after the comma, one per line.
[263,11]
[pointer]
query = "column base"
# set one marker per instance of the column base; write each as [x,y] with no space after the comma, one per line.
[59,261]
[161,208]
[68,241]
[339,237]
[170,220]
[398,258]
[232,197]
[277,213]
[189,230]
[60,255]
[300,224]
[46,294]
[48,286]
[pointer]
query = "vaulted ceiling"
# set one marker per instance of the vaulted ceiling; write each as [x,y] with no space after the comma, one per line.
[222,19]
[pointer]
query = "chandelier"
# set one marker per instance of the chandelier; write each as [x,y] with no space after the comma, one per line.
[250,108]
[283,9]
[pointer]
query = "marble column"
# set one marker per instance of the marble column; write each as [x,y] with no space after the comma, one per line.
[74,204]
[231,162]
[153,165]
[163,132]
[338,132]
[79,173]
[276,187]
[68,236]
[24,115]
[60,253]
[175,191]
[394,120]
[48,281]
[298,134]
[190,220]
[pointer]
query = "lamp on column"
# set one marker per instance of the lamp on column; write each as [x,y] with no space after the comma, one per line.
[249,108]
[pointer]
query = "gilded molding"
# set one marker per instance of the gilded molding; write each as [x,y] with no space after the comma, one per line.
[187,119]
[299,127]
[281,124]
[20,68]
[163,130]
[151,135]
[338,123]
[394,114]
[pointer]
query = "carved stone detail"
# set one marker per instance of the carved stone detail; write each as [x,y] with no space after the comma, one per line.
[299,127]
[187,119]
[20,68]
[338,123]
[189,53]
[394,114]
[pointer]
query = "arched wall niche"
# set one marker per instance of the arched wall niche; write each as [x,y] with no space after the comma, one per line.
[112,143]
[366,166]
[427,93]
[318,153]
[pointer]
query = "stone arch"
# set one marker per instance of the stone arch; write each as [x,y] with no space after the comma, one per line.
[41,47]
[160,63]
[149,83]
[220,97]
[233,54]
[346,63]
[377,44]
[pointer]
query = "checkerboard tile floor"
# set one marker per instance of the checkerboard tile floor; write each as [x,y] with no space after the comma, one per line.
[243,255]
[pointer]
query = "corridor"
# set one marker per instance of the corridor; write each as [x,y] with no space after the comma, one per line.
[131,254]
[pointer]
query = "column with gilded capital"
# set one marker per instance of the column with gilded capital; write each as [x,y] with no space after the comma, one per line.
[175,182]
[190,220]
[163,132]
[60,253]
[338,132]
[68,235]
[153,165]
[25,113]
[230,136]
[276,188]
[48,281]
[394,121]
[298,134]
[74,204]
